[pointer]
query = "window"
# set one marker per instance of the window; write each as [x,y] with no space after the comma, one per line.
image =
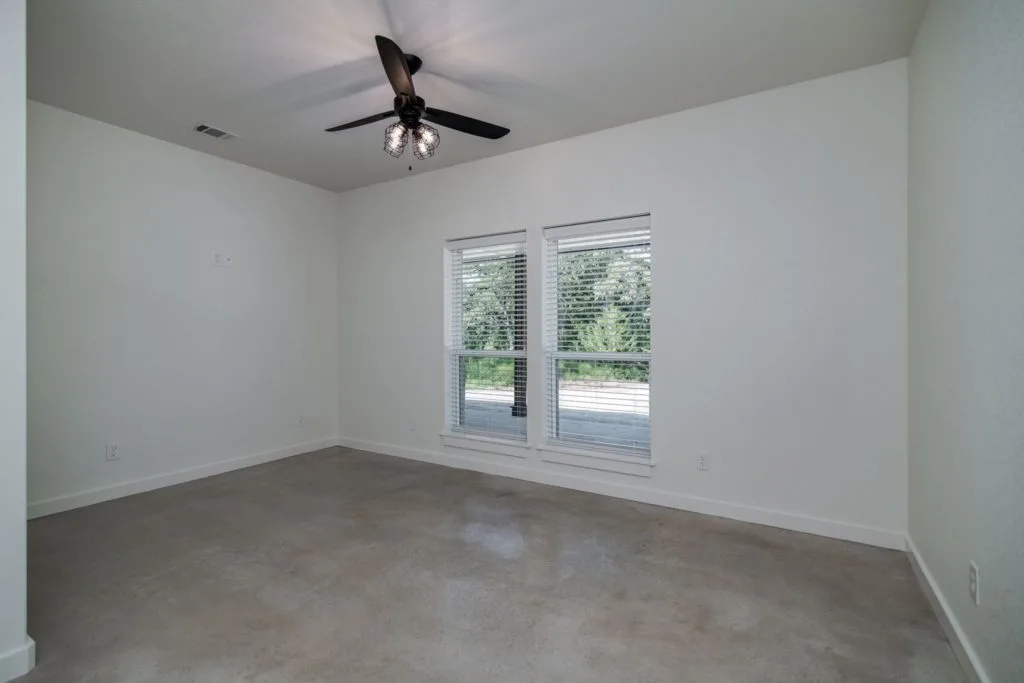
[487,336]
[597,321]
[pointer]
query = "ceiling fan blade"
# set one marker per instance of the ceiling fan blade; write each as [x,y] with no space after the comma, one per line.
[362,122]
[395,66]
[464,124]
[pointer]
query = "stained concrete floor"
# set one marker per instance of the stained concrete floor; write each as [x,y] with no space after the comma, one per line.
[344,566]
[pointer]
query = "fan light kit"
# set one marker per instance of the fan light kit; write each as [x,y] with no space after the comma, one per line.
[424,139]
[409,109]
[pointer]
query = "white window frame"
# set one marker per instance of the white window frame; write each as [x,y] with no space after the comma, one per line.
[453,434]
[573,452]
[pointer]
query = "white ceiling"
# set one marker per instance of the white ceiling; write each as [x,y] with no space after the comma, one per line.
[277,72]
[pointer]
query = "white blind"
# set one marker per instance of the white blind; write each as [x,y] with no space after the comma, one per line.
[598,336]
[487,347]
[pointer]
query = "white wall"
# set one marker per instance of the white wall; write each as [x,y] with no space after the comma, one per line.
[779,229]
[966,292]
[16,650]
[136,339]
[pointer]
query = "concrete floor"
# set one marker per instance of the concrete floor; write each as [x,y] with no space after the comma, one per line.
[346,566]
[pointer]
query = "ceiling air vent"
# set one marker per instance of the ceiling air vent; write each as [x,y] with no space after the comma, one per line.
[212,132]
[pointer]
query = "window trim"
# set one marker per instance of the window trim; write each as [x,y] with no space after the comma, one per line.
[594,459]
[453,342]
[493,240]
[475,441]
[640,221]
[563,453]
[637,462]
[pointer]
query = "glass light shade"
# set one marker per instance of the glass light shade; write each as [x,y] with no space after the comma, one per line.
[425,140]
[396,137]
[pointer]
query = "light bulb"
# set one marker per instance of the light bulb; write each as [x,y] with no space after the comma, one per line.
[396,137]
[426,140]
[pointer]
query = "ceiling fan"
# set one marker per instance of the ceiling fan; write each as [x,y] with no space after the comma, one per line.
[410,109]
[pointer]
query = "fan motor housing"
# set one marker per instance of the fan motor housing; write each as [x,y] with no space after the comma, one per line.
[409,109]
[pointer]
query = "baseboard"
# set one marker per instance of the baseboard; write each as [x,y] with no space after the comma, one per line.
[98,495]
[18,662]
[884,538]
[954,632]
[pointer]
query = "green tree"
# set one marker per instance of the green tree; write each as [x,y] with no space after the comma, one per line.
[604,305]
[488,312]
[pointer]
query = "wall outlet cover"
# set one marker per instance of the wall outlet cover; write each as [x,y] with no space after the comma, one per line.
[704,462]
[113,452]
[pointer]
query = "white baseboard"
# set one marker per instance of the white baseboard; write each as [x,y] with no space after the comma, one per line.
[954,632]
[645,494]
[18,662]
[71,501]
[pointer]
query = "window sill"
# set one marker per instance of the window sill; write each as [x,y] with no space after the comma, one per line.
[595,460]
[485,444]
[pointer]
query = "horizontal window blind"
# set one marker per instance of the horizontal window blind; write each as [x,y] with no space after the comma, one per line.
[487,337]
[597,321]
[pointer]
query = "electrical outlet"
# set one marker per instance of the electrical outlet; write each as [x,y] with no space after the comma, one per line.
[113,452]
[704,462]
[974,586]
[222,260]
[412,425]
